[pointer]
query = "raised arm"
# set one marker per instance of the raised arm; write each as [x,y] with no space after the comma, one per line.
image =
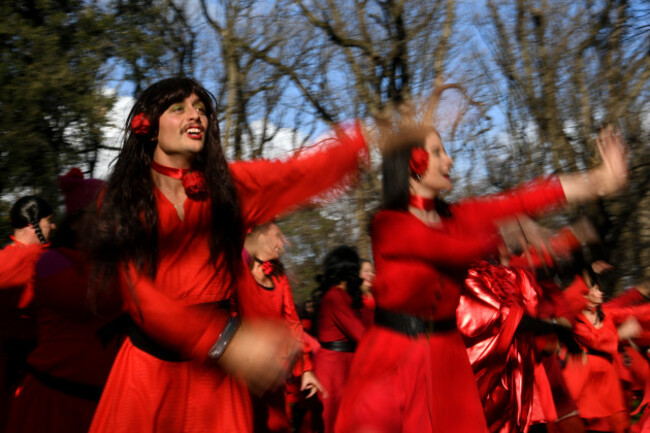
[606,179]
[269,188]
[545,195]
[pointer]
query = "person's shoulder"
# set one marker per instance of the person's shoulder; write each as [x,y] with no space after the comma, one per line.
[13,249]
[51,262]
[335,295]
[385,215]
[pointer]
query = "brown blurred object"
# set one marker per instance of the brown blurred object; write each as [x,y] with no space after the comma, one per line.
[261,353]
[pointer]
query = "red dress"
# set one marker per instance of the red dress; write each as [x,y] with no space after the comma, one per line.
[70,363]
[593,382]
[337,321]
[368,310]
[178,308]
[425,384]
[256,301]
[17,327]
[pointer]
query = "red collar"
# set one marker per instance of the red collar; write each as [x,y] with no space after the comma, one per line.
[422,203]
[174,173]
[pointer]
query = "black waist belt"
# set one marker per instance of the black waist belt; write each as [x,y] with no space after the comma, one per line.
[66,386]
[411,325]
[143,342]
[608,356]
[339,346]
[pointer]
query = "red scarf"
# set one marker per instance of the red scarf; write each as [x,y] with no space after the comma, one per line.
[193,181]
[425,204]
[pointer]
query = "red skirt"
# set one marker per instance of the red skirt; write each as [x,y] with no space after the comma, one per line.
[145,394]
[332,369]
[596,389]
[411,385]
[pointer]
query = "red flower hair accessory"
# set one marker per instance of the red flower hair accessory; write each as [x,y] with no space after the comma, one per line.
[195,187]
[140,124]
[419,161]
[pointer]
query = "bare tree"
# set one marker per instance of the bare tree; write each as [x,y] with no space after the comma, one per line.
[567,68]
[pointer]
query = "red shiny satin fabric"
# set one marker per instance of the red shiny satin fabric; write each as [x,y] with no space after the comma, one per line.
[490,309]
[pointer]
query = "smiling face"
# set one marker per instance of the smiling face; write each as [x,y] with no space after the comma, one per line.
[367,274]
[181,132]
[265,242]
[595,295]
[436,178]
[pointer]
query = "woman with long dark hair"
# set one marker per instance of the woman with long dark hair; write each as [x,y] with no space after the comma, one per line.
[171,229]
[411,371]
[592,376]
[338,325]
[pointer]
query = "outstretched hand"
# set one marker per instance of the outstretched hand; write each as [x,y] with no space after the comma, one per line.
[608,178]
[612,174]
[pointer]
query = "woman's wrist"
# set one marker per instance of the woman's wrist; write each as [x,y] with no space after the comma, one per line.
[224,339]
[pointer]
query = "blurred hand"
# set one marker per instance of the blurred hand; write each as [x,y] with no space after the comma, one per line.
[600,266]
[261,354]
[310,382]
[629,329]
[612,174]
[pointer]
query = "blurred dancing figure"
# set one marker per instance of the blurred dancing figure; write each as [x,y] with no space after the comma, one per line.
[595,378]
[171,231]
[31,219]
[269,296]
[411,371]
[70,363]
[338,325]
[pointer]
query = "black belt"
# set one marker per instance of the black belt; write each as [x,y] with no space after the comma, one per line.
[608,356]
[66,386]
[339,346]
[411,325]
[143,342]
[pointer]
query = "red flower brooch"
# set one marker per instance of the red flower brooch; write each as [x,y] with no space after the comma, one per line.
[195,187]
[267,268]
[140,124]
[419,161]
[193,181]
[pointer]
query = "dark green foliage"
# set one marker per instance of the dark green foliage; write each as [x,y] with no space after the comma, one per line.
[56,57]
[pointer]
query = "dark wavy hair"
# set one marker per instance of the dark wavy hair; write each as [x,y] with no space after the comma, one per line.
[127,229]
[340,264]
[29,210]
[396,174]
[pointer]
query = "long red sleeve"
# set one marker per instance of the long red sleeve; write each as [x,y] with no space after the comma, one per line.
[190,331]
[269,188]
